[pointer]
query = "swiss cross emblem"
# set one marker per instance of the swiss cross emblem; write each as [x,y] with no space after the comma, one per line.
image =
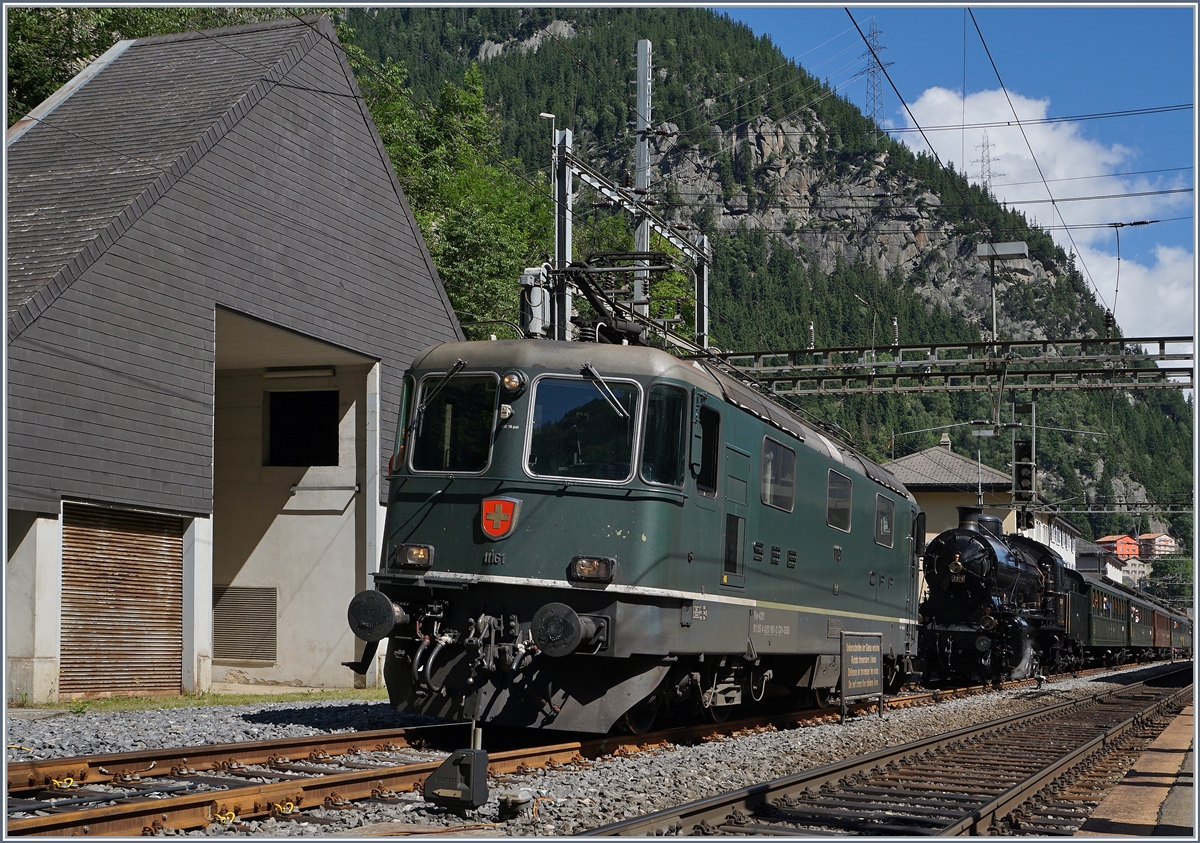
[499,517]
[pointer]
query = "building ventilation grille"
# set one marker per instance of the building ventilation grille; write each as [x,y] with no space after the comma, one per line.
[244,623]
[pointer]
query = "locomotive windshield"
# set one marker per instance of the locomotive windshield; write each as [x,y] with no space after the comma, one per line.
[454,433]
[577,431]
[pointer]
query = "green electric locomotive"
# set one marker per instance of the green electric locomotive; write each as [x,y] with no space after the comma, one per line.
[582,536]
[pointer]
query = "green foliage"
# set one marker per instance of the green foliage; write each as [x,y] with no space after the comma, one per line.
[482,222]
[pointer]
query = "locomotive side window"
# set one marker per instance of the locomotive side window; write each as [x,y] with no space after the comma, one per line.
[778,475]
[710,429]
[454,433]
[837,506]
[885,521]
[577,432]
[666,435]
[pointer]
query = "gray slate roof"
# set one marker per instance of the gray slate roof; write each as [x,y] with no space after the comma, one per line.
[941,467]
[80,176]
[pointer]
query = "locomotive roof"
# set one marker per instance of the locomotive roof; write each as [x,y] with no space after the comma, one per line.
[644,361]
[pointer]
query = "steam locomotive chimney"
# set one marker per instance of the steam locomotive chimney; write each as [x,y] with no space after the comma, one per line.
[968,518]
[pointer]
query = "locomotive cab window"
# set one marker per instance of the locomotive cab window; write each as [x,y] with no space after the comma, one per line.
[778,475]
[885,521]
[710,431]
[453,431]
[578,433]
[663,452]
[837,502]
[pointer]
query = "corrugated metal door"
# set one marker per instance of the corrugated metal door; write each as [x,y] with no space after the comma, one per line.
[122,602]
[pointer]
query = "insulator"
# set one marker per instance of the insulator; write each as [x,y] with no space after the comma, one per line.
[812,336]
[895,331]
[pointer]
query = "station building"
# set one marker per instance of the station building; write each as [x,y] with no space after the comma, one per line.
[215,284]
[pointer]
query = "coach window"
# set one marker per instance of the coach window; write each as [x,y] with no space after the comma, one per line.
[710,430]
[778,475]
[837,506]
[663,453]
[885,512]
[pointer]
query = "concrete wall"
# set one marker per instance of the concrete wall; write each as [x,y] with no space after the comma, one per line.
[33,598]
[310,544]
[197,606]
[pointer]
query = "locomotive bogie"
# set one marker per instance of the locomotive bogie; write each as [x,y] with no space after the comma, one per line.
[577,533]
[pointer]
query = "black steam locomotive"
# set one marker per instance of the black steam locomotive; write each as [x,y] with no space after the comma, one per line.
[1008,607]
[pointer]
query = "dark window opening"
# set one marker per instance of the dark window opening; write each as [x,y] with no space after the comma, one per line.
[733,544]
[837,509]
[710,430]
[663,452]
[302,428]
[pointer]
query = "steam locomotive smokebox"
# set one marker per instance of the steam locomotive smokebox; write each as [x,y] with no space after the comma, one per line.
[461,782]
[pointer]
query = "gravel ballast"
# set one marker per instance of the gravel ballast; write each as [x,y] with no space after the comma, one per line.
[563,801]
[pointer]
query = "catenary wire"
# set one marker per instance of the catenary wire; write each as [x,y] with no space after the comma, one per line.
[1041,174]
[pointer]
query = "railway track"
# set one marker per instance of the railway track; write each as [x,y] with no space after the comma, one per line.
[972,781]
[192,787]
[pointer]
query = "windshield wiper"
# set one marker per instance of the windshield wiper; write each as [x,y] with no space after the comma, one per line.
[600,384]
[459,365]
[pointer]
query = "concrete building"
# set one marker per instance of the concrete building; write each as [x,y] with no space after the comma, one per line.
[215,284]
[1156,545]
[1094,559]
[1125,547]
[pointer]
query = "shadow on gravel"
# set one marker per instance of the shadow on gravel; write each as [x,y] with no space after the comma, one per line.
[351,715]
[1177,676]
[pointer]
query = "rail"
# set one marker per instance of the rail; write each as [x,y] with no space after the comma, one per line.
[963,782]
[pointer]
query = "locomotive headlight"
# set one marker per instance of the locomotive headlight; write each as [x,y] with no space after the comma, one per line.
[513,383]
[411,556]
[987,622]
[955,566]
[592,568]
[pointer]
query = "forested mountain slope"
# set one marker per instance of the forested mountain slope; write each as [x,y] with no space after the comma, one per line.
[809,206]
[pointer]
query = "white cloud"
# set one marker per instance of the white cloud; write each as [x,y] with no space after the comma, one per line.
[1155,299]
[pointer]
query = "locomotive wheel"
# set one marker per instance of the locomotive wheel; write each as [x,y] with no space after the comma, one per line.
[717,713]
[641,718]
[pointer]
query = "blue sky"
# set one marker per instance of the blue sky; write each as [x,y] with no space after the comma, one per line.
[1054,62]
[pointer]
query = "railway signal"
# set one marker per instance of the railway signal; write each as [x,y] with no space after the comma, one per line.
[1024,471]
